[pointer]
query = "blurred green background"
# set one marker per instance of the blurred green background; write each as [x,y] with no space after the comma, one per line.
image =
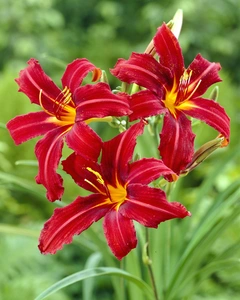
[56,32]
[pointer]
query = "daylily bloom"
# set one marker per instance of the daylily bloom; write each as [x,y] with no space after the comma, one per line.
[175,91]
[120,194]
[65,113]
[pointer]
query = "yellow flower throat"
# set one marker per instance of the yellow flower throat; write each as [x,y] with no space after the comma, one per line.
[178,98]
[114,194]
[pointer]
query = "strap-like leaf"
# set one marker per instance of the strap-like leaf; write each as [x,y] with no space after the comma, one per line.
[85,274]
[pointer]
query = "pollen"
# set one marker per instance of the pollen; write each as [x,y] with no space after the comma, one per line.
[98,175]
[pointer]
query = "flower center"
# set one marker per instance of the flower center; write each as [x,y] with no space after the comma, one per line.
[169,102]
[63,108]
[116,195]
[178,97]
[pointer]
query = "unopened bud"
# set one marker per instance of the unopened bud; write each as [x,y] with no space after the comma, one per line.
[214,94]
[115,122]
[145,257]
[175,25]
[203,152]
[177,21]
[125,87]
[104,77]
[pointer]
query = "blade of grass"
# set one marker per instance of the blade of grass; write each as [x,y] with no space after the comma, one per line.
[206,233]
[108,258]
[85,274]
[209,269]
[23,184]
[88,285]
[197,256]
[9,229]
[133,263]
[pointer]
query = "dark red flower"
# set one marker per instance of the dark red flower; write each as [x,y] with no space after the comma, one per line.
[65,113]
[120,194]
[176,91]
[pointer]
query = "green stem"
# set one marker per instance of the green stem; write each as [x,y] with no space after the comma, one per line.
[122,281]
[167,256]
[149,266]
[135,89]
[156,134]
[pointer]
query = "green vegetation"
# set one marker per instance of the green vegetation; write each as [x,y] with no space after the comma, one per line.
[193,259]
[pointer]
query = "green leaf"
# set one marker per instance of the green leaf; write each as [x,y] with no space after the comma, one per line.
[218,218]
[102,271]
[88,285]
[215,266]
[32,163]
[3,126]
[23,184]
[9,229]
[133,264]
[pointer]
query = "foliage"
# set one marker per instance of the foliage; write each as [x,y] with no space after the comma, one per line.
[64,30]
[199,257]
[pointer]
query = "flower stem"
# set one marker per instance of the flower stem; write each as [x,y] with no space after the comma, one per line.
[148,262]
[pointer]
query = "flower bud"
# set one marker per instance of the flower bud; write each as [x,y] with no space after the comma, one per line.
[214,94]
[103,77]
[175,25]
[203,152]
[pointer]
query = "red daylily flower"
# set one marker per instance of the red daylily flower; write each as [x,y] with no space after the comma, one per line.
[120,194]
[176,91]
[65,113]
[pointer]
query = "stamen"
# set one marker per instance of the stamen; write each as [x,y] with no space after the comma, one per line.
[184,83]
[93,185]
[41,104]
[185,86]
[196,87]
[63,101]
[99,177]
[59,104]
[115,194]
[100,180]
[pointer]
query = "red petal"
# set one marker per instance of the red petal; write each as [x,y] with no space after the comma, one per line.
[75,73]
[143,70]
[204,72]
[117,152]
[211,113]
[169,51]
[84,141]
[146,170]
[120,233]
[48,151]
[149,206]
[70,220]
[177,142]
[145,104]
[33,79]
[26,127]
[76,166]
[98,101]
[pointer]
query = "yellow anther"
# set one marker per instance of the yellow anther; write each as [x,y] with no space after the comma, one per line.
[99,177]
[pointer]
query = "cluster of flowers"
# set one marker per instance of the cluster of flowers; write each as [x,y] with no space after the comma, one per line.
[119,186]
